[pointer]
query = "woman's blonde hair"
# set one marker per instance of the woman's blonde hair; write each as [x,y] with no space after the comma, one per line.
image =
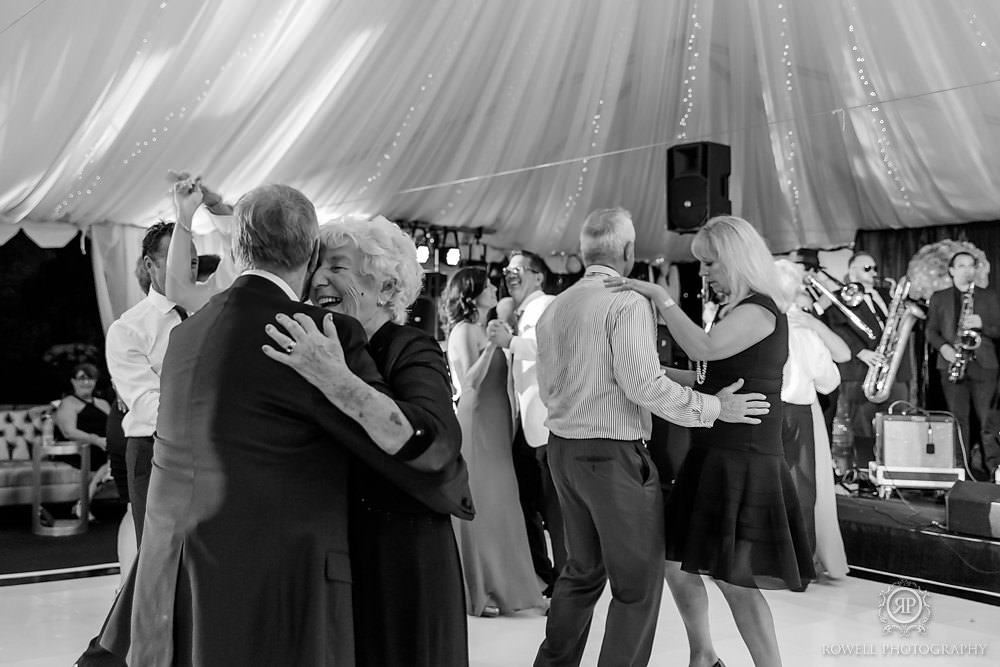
[387,254]
[742,254]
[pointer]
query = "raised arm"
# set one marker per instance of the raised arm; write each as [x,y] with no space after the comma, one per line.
[744,327]
[182,258]
[839,351]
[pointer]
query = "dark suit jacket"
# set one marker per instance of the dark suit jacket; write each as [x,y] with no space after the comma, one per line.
[245,557]
[942,324]
[855,370]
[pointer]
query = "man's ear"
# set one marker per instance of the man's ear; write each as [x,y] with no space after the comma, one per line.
[628,253]
[313,260]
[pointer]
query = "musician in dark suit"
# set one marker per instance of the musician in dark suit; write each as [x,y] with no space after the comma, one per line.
[245,554]
[945,318]
[872,311]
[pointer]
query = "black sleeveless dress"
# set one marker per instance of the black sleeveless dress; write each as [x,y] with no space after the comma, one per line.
[91,420]
[733,512]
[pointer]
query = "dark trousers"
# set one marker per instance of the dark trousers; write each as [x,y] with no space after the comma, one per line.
[975,392]
[551,512]
[860,415]
[612,508]
[531,494]
[139,463]
[799,443]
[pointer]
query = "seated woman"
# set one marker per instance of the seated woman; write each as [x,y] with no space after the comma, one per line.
[83,417]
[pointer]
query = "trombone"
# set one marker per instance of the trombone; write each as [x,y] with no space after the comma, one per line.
[851,294]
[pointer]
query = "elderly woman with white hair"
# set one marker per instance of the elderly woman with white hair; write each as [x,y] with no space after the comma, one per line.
[409,607]
[733,513]
[813,353]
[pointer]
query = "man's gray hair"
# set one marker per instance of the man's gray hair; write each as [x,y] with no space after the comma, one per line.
[275,228]
[605,234]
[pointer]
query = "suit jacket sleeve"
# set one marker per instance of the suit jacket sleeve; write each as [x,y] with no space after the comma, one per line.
[989,312]
[422,390]
[843,327]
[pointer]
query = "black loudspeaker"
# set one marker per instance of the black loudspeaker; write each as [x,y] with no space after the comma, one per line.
[974,508]
[697,184]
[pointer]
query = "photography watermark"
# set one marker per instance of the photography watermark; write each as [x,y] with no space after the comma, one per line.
[904,609]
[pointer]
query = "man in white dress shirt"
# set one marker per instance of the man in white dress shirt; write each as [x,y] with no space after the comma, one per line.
[526,275]
[134,347]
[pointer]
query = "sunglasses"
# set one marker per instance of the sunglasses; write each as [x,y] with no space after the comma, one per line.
[516,271]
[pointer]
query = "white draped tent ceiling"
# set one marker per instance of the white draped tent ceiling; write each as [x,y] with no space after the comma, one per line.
[519,116]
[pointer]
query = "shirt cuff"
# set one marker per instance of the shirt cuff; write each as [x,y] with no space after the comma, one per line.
[711,408]
[418,443]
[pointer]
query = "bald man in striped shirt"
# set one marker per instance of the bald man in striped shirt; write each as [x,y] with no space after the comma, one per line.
[600,378]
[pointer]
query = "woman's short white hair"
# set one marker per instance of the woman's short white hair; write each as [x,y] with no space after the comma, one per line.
[790,277]
[605,234]
[387,254]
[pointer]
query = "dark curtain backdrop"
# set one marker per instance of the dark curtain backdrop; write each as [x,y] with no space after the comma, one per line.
[47,298]
[894,248]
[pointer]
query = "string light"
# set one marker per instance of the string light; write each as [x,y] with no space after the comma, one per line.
[691,72]
[878,117]
[790,145]
[981,41]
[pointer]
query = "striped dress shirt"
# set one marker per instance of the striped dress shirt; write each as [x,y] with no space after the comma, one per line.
[598,372]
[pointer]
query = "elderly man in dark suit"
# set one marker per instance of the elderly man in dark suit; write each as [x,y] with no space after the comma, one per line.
[245,554]
[978,381]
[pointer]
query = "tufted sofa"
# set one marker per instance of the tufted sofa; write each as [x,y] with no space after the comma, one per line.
[20,429]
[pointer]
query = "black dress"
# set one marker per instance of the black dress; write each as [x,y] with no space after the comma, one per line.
[91,420]
[733,512]
[409,604]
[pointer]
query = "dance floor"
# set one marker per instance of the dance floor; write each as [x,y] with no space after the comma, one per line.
[833,624]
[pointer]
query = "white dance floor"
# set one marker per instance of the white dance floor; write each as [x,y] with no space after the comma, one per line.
[832,624]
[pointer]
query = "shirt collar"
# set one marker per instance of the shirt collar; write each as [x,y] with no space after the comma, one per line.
[601,269]
[160,302]
[267,275]
[528,299]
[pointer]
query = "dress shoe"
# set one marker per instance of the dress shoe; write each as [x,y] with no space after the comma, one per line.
[490,611]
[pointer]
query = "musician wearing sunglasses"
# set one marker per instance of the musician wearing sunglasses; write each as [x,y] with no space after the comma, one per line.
[963,322]
[862,333]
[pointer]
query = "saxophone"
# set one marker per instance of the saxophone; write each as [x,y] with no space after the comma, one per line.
[969,340]
[903,314]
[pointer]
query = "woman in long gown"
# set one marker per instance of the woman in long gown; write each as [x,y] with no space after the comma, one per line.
[733,513]
[496,559]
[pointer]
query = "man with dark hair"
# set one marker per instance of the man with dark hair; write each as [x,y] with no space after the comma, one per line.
[134,347]
[965,307]
[526,276]
[873,311]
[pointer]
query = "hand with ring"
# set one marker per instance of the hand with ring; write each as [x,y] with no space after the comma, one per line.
[315,355]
